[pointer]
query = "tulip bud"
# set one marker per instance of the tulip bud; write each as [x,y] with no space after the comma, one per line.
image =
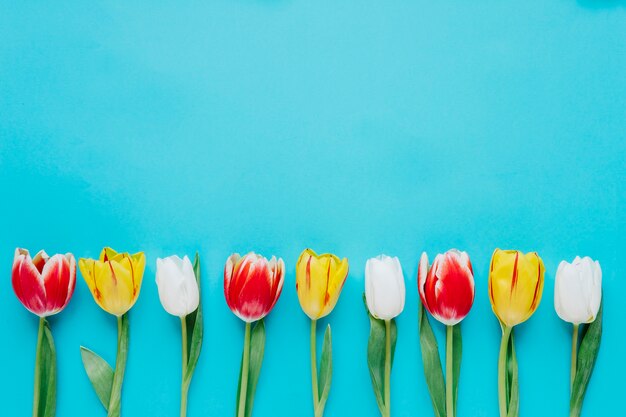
[44,285]
[515,285]
[319,280]
[447,288]
[178,288]
[114,279]
[252,285]
[384,287]
[578,290]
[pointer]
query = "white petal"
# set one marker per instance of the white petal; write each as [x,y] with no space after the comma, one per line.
[596,292]
[369,290]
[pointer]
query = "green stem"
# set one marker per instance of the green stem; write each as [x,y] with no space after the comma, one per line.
[314,366]
[502,400]
[244,372]
[37,383]
[574,356]
[387,368]
[449,372]
[184,388]
[115,402]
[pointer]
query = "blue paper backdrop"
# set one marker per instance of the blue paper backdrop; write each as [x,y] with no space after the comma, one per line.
[356,127]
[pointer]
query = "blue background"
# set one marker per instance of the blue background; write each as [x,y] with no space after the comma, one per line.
[356,127]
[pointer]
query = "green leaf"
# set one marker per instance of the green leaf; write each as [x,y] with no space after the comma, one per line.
[376,355]
[47,373]
[512,379]
[457,350]
[195,329]
[100,374]
[326,371]
[587,355]
[257,349]
[432,364]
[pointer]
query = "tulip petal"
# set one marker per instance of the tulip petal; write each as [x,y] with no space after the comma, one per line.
[40,260]
[28,284]
[56,278]
[422,273]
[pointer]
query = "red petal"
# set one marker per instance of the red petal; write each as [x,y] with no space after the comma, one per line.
[40,260]
[28,285]
[56,278]
[72,284]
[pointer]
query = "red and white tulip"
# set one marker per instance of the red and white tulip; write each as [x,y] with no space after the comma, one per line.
[446,288]
[252,285]
[43,284]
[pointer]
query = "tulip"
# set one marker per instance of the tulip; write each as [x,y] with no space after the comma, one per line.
[179,293]
[447,288]
[384,287]
[577,298]
[44,285]
[178,288]
[319,280]
[578,290]
[447,292]
[252,285]
[384,295]
[515,287]
[114,281]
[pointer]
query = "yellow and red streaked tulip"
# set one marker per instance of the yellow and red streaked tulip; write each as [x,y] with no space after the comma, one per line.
[515,285]
[43,284]
[319,280]
[447,287]
[252,285]
[114,279]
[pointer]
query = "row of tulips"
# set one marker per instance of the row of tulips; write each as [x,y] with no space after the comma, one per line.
[253,284]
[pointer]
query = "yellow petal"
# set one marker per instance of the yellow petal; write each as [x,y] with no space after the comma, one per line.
[339,272]
[139,265]
[86,267]
[107,254]
[113,280]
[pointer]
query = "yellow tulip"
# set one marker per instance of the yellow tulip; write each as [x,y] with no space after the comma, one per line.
[515,285]
[319,280]
[114,280]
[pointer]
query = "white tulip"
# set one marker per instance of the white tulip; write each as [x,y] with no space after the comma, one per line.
[178,288]
[578,290]
[384,287]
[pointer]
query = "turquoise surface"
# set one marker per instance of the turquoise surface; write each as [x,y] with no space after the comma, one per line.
[356,127]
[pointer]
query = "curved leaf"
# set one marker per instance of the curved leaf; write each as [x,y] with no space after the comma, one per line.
[432,364]
[587,355]
[195,329]
[47,374]
[100,374]
[326,371]
[376,356]
[512,379]
[257,349]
